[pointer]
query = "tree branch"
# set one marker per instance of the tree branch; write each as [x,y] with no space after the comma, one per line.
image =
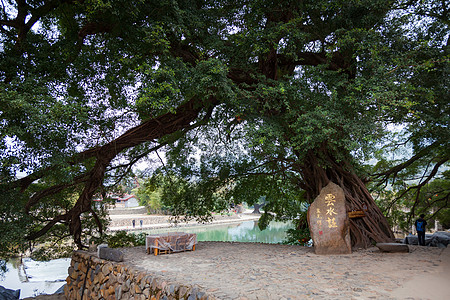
[149,130]
[396,169]
[53,190]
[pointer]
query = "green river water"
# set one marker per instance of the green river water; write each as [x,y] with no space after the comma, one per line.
[247,231]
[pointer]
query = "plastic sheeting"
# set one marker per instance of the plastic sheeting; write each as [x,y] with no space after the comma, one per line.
[172,242]
[439,239]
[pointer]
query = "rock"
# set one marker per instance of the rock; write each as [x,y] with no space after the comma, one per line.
[99,247]
[110,254]
[393,247]
[433,240]
[414,240]
[440,239]
[92,247]
[71,272]
[172,289]
[183,291]
[111,290]
[328,222]
[127,285]
[105,269]
[83,268]
[7,294]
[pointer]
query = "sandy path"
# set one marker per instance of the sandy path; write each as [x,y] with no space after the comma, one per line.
[427,284]
[269,271]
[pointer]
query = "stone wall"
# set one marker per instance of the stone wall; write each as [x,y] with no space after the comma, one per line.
[127,211]
[146,220]
[93,278]
[157,221]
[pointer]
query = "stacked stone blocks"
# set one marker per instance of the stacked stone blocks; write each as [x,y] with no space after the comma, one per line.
[93,278]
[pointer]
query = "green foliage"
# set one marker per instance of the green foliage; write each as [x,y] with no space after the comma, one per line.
[149,194]
[192,199]
[406,199]
[140,239]
[297,237]
[46,252]
[13,223]
[57,243]
[444,218]
[122,239]
[152,200]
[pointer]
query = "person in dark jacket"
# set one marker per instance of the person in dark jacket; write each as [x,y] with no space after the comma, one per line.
[420,227]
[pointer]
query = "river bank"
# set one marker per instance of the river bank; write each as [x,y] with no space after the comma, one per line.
[125,221]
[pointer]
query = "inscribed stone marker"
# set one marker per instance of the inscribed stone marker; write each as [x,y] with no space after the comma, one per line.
[328,222]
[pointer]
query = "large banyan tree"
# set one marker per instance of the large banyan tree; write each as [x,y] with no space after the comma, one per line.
[279,96]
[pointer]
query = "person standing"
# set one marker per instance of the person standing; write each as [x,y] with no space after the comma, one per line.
[420,227]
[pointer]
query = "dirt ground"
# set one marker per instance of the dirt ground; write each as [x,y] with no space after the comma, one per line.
[270,271]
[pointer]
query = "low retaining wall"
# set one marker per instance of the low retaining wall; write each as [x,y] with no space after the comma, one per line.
[146,220]
[93,278]
[159,222]
[127,211]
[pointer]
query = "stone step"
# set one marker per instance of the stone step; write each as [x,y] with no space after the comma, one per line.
[393,247]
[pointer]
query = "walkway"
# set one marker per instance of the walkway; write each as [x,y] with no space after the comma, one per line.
[269,271]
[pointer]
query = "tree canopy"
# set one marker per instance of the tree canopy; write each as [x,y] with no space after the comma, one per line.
[278,98]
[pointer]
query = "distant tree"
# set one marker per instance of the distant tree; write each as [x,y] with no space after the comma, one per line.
[258,205]
[149,193]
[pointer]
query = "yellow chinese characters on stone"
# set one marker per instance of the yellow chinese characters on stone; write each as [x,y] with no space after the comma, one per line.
[319,217]
[330,199]
[318,214]
[319,220]
[332,223]
[330,211]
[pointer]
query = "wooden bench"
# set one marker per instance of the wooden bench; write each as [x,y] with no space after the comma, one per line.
[170,242]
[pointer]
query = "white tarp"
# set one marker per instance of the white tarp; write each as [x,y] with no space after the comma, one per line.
[172,241]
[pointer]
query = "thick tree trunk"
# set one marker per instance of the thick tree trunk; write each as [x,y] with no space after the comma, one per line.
[319,168]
